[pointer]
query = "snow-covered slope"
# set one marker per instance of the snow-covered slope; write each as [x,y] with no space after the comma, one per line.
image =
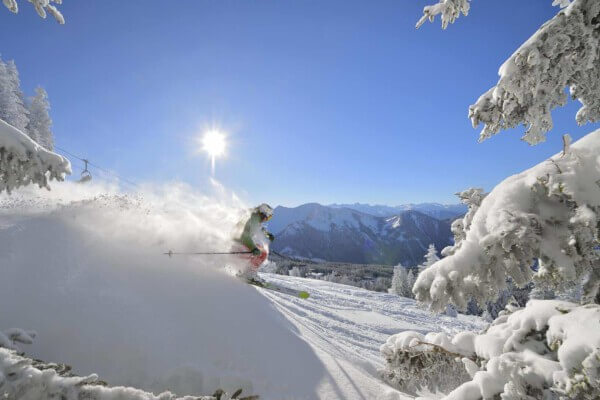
[342,234]
[88,275]
[346,327]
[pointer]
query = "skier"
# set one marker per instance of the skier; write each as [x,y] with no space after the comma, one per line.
[253,238]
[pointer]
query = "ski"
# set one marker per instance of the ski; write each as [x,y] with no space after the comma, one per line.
[269,286]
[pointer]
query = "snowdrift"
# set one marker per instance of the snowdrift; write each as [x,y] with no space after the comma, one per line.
[83,266]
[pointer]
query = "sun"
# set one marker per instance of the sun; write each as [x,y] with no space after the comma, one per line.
[214,143]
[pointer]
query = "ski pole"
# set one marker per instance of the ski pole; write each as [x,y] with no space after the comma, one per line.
[171,253]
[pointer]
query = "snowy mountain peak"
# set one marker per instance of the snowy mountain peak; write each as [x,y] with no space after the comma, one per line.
[435,210]
[343,234]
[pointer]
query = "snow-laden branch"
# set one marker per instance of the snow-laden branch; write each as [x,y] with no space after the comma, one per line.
[415,361]
[548,350]
[449,9]
[41,6]
[23,161]
[549,213]
[11,337]
[563,53]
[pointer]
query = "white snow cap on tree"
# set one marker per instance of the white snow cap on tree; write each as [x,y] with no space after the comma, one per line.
[23,161]
[549,213]
[41,6]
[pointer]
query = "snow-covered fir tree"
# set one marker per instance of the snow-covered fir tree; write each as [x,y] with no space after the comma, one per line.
[472,198]
[411,277]
[549,215]
[431,258]
[12,103]
[23,159]
[398,279]
[546,215]
[402,281]
[31,118]
[42,7]
[39,119]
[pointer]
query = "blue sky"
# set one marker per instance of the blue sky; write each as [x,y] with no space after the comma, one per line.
[323,100]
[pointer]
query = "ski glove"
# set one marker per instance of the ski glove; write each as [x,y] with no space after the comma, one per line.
[256,251]
[271,236]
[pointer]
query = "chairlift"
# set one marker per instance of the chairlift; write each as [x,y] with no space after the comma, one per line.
[86,175]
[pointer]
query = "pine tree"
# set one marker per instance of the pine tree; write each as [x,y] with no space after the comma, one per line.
[547,215]
[5,93]
[402,282]
[12,105]
[398,280]
[430,258]
[39,119]
[408,284]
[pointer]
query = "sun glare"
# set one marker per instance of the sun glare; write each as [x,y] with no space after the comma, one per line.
[214,144]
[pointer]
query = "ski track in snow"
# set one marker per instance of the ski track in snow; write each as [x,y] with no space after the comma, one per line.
[346,326]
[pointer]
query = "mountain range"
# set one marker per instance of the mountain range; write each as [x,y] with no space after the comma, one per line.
[345,234]
[435,210]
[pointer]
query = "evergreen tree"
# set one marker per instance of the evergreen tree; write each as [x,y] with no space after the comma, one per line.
[547,215]
[430,258]
[408,284]
[402,282]
[398,280]
[12,105]
[39,119]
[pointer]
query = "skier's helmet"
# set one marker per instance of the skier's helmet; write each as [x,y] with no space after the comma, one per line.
[265,211]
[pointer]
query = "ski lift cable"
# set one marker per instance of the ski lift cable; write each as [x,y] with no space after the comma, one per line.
[88,162]
[80,164]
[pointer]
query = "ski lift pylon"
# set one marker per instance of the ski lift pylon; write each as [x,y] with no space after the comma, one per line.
[86,175]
